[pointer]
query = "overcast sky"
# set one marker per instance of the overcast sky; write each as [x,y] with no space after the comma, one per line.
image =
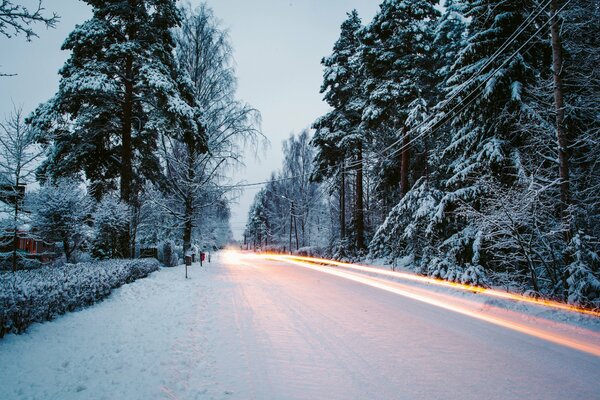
[278,47]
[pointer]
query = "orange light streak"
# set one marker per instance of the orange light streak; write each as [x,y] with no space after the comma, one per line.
[438,282]
[590,348]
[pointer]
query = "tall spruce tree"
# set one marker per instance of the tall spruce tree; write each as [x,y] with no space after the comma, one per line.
[572,166]
[400,65]
[399,70]
[339,136]
[119,90]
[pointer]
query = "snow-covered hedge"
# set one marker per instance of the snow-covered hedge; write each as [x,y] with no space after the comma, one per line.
[30,296]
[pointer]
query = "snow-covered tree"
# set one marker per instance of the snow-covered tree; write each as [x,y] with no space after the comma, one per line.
[407,229]
[18,157]
[569,171]
[289,212]
[583,281]
[119,91]
[399,71]
[449,38]
[111,222]
[339,136]
[258,228]
[484,145]
[194,178]
[60,212]
[297,169]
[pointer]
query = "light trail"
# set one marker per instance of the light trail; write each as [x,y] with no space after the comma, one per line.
[441,302]
[438,282]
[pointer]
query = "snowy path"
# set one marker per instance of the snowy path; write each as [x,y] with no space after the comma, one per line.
[255,329]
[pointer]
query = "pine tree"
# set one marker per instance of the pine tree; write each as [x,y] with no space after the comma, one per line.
[449,39]
[398,63]
[111,222]
[572,167]
[339,136]
[400,67]
[120,89]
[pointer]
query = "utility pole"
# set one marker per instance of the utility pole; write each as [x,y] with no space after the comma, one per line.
[291,218]
[295,225]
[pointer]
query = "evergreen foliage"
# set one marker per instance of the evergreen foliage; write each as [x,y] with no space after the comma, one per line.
[111,223]
[120,89]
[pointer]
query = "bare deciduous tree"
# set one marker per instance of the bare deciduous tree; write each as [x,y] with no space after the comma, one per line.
[18,154]
[195,180]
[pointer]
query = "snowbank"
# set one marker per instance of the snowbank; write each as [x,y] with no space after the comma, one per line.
[38,295]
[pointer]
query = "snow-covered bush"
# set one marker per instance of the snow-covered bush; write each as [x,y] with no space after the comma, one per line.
[111,225]
[30,296]
[408,228]
[583,273]
[469,274]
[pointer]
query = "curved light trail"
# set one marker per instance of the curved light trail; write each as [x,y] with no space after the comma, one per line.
[590,344]
[438,282]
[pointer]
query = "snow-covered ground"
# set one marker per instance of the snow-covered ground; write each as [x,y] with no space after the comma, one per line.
[248,328]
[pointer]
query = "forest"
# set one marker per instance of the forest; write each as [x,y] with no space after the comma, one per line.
[462,143]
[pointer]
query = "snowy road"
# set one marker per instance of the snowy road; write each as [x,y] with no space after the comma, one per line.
[249,328]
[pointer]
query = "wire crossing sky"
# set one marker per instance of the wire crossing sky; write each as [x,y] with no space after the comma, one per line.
[278,46]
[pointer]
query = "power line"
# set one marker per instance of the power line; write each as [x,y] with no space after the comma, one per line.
[528,21]
[490,76]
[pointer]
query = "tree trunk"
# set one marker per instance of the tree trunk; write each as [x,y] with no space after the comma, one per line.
[189,201]
[67,249]
[135,221]
[187,231]
[343,204]
[561,134]
[296,231]
[405,163]
[359,214]
[126,145]
[15,225]
[426,156]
